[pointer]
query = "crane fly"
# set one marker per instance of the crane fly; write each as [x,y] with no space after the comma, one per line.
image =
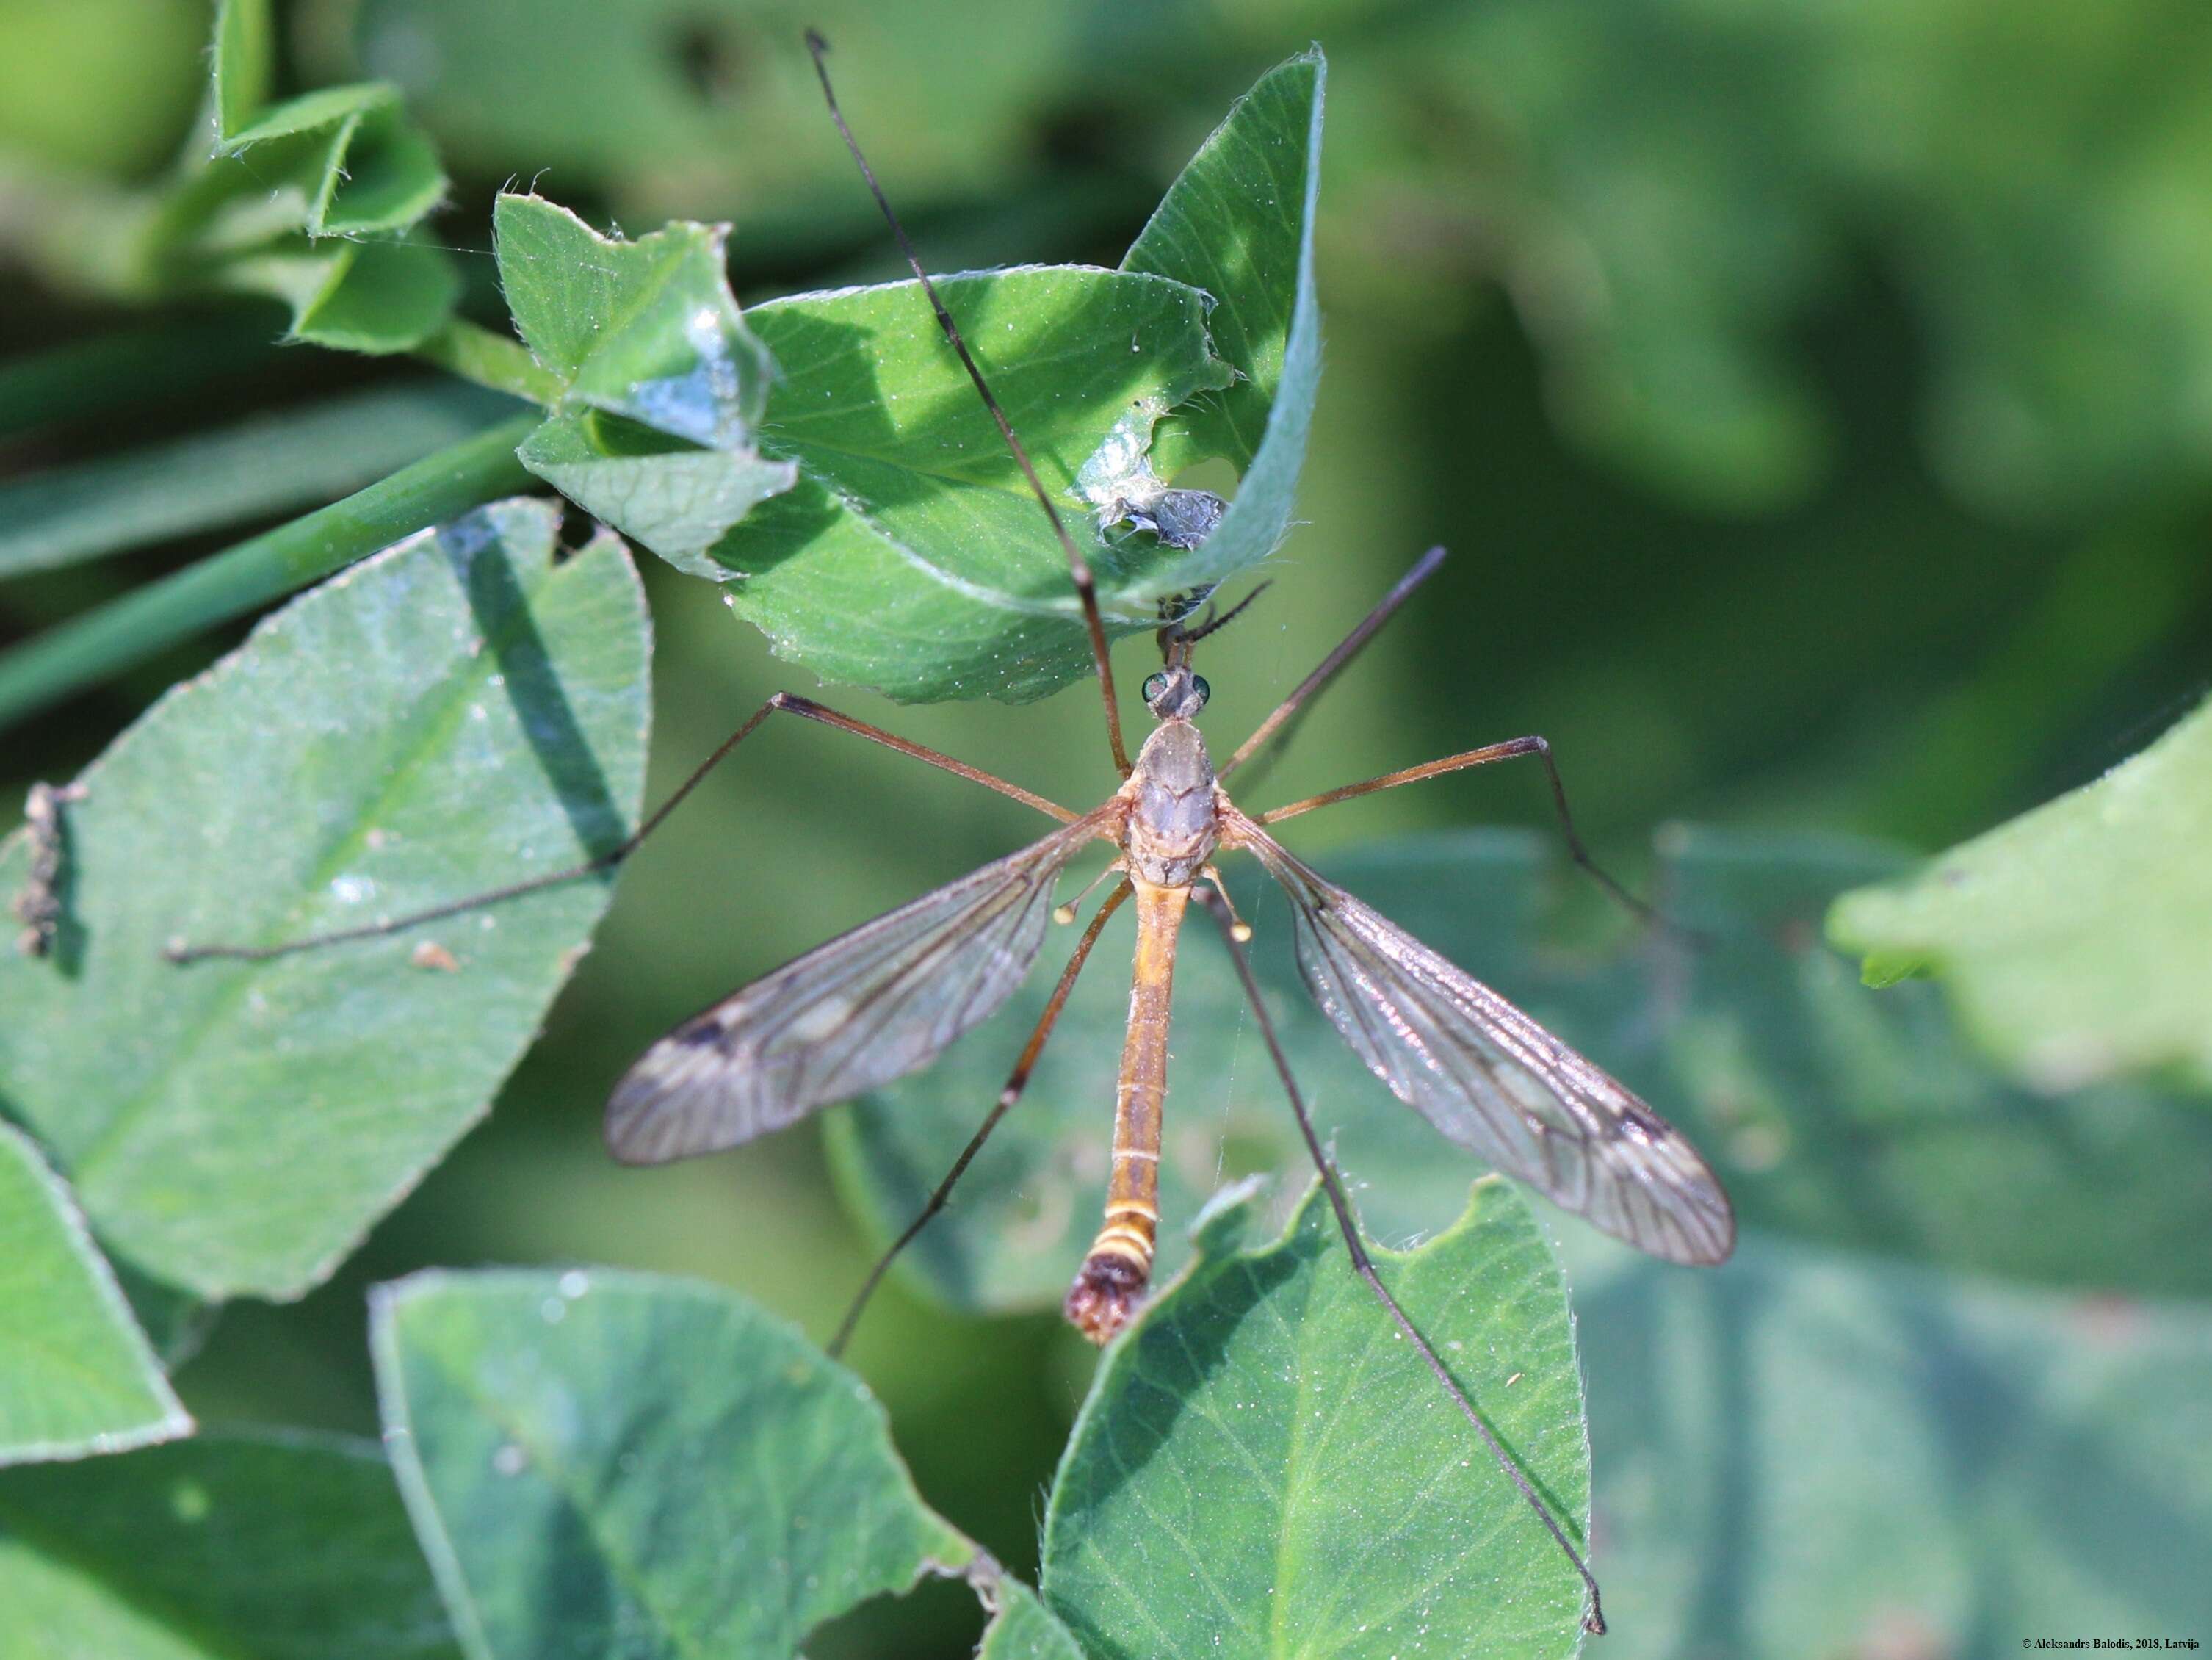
[886,997]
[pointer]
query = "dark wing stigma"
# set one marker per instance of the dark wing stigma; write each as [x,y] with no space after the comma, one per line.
[869,1006]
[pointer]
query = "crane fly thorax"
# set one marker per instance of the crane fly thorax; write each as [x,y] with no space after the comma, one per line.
[1173,824]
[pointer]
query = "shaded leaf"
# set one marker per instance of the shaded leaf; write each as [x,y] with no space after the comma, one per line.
[76,1374]
[262,467]
[228,1548]
[2072,940]
[1969,1466]
[1834,1113]
[381,297]
[1291,1479]
[454,715]
[675,498]
[606,1464]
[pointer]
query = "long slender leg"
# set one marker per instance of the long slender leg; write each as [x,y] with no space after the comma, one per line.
[783,703]
[1423,568]
[1016,1081]
[1079,568]
[1509,751]
[1364,1265]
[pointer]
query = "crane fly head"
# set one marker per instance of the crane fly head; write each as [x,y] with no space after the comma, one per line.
[1176,693]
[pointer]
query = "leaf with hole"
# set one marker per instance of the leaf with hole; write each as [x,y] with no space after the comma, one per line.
[459,712]
[1239,224]
[909,556]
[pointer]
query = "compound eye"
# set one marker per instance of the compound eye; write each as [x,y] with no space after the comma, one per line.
[1198,684]
[1154,685]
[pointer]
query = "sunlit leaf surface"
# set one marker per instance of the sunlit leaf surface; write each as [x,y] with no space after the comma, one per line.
[459,712]
[912,557]
[1239,223]
[1266,1468]
[909,556]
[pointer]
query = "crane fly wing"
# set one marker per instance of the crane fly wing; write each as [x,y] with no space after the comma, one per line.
[849,1016]
[1494,1080]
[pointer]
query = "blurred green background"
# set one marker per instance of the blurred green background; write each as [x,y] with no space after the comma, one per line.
[1816,400]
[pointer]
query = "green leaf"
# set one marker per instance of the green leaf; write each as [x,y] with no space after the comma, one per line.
[601,1462]
[675,498]
[387,297]
[645,329]
[244,66]
[1292,1479]
[1834,1114]
[76,1374]
[887,538]
[348,152]
[660,384]
[911,556]
[1862,1118]
[454,715]
[315,202]
[1239,223]
[2072,940]
[272,1547]
[375,297]
[1927,1463]
[253,469]
[1023,1628]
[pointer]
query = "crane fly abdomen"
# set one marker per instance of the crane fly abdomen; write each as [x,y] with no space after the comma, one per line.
[1119,1267]
[1172,829]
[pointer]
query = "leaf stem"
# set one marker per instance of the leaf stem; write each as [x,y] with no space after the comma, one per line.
[477,354]
[115,636]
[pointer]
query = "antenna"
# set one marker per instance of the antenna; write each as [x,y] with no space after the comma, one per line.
[1079,568]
